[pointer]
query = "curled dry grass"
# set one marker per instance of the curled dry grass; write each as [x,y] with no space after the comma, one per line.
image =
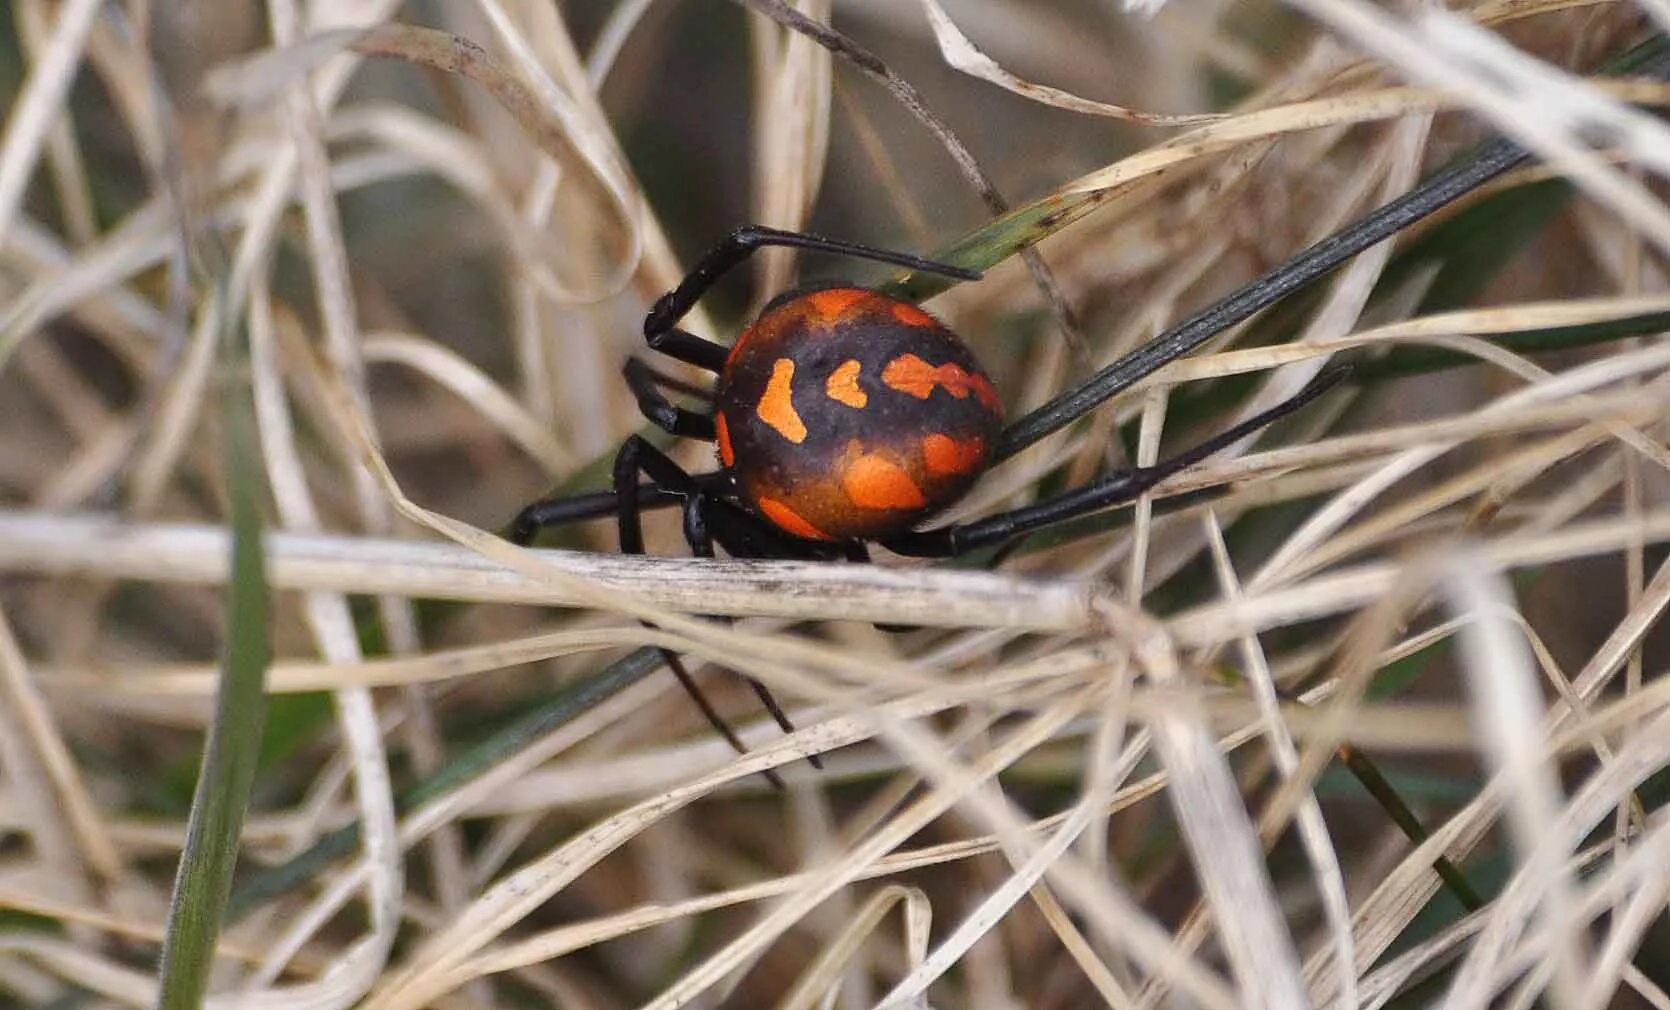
[1099,773]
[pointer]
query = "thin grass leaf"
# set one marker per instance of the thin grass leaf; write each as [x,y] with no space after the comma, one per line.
[1406,361]
[218,807]
[479,758]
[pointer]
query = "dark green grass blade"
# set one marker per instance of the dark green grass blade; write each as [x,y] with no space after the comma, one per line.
[204,879]
[1368,774]
[996,241]
[466,766]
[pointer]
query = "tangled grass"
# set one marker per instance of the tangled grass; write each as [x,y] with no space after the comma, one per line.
[414,243]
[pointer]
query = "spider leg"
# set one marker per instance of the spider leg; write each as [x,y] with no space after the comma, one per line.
[700,539]
[661,322]
[675,384]
[549,512]
[638,455]
[1113,489]
[687,347]
[646,385]
[560,511]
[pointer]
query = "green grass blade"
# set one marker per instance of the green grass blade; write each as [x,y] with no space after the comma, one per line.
[204,879]
[532,726]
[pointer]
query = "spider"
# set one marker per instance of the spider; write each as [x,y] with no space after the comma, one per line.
[841,416]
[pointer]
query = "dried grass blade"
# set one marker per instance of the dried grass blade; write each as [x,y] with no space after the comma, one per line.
[963,55]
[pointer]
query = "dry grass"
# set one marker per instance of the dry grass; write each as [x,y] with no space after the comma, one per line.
[1102,773]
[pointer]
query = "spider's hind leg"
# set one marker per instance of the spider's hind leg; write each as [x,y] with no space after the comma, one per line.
[700,512]
[1103,493]
[636,456]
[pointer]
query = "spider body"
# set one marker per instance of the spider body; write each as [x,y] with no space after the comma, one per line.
[843,414]
[840,416]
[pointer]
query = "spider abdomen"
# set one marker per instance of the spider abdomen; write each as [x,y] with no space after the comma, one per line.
[844,414]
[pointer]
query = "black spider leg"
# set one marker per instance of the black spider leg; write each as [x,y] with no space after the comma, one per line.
[1117,487]
[635,456]
[646,384]
[561,511]
[1449,184]
[678,385]
[660,325]
[700,538]
[647,387]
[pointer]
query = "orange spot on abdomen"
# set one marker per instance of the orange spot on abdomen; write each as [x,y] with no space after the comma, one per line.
[873,481]
[788,520]
[910,315]
[776,406]
[833,304]
[722,430]
[911,375]
[842,386]
[946,456]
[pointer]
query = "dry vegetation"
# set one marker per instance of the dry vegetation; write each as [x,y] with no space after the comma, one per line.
[1104,772]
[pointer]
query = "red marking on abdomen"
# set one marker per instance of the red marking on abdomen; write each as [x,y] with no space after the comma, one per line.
[790,521]
[722,430]
[910,315]
[776,406]
[986,393]
[911,375]
[833,304]
[842,386]
[875,482]
[946,456]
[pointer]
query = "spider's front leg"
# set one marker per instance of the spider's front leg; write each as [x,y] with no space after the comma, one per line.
[661,330]
[646,385]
